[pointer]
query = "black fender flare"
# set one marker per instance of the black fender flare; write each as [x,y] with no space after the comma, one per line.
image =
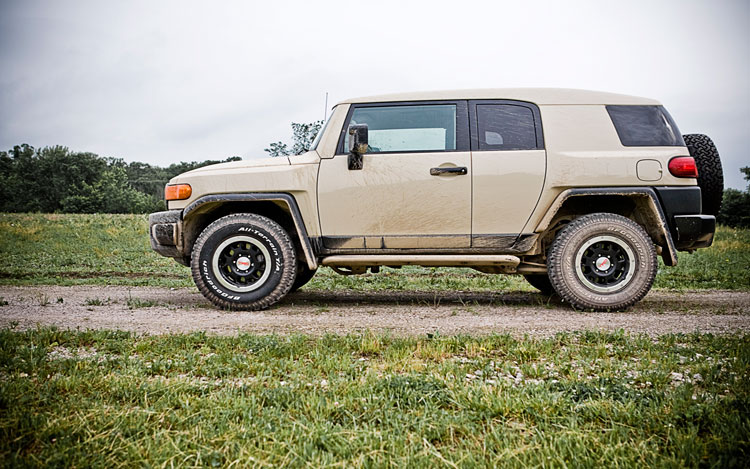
[659,230]
[288,199]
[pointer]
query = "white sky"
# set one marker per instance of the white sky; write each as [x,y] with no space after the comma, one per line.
[169,81]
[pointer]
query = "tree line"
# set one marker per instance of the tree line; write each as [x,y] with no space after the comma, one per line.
[55,179]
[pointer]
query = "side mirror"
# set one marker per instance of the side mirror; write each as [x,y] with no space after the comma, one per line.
[357,145]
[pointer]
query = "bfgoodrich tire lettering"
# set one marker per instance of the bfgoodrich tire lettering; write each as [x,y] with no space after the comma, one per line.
[602,262]
[244,261]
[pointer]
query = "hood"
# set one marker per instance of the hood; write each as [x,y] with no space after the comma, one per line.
[250,163]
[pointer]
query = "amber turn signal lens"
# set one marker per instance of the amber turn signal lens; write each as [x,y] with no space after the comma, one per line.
[683,167]
[177,191]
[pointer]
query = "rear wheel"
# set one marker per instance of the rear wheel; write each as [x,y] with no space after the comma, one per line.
[602,262]
[243,261]
[710,175]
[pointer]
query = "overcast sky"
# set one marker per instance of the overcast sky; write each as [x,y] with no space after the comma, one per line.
[169,81]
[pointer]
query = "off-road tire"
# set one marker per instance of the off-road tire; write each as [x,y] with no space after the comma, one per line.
[304,275]
[710,176]
[540,282]
[620,247]
[244,262]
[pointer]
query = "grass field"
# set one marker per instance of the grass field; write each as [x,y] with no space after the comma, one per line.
[588,399]
[114,249]
[111,399]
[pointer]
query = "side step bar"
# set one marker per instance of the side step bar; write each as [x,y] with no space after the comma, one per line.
[429,260]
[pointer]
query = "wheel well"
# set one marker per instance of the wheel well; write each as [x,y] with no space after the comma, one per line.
[277,211]
[635,206]
[583,205]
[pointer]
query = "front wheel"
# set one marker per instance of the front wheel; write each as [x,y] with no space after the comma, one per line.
[244,261]
[602,262]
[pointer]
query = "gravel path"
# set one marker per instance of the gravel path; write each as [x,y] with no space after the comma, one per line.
[159,310]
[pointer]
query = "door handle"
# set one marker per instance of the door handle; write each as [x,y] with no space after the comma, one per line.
[458,170]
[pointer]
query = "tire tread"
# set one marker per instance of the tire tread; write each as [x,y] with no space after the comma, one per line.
[710,176]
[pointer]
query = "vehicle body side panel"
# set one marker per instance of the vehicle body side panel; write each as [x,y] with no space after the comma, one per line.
[506,187]
[583,150]
[394,194]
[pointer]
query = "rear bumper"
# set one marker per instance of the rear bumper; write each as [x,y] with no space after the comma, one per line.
[694,231]
[165,231]
[689,228]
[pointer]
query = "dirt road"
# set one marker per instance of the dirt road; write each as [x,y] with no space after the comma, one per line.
[159,310]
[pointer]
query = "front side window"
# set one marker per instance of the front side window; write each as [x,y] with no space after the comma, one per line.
[407,128]
[645,126]
[506,127]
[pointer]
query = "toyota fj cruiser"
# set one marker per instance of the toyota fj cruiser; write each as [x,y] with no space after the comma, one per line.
[578,191]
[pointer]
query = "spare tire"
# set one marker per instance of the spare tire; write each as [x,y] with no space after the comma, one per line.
[710,176]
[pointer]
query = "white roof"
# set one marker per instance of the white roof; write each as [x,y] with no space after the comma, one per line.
[541,96]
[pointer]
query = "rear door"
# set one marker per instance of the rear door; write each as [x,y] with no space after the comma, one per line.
[509,164]
[414,189]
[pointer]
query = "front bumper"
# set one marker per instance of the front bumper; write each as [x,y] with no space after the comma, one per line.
[165,231]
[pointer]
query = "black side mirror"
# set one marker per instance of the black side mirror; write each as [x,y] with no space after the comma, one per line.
[357,145]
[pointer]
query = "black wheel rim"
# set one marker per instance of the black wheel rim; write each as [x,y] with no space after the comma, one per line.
[241,263]
[604,264]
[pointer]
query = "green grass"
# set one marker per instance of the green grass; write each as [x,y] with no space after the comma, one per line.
[83,249]
[113,399]
[725,265]
[114,249]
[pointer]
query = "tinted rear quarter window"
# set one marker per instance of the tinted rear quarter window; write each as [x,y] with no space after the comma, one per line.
[645,126]
[506,127]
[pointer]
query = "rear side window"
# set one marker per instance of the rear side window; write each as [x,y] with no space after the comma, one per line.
[506,127]
[408,128]
[645,126]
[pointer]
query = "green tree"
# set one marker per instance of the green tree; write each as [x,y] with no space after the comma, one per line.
[303,135]
[14,188]
[735,207]
[746,172]
[54,179]
[278,149]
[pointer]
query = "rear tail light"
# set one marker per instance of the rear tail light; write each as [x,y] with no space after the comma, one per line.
[177,191]
[683,167]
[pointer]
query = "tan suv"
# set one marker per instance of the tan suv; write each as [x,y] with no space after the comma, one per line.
[578,191]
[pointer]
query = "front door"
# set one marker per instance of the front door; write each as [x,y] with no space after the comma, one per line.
[414,188]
